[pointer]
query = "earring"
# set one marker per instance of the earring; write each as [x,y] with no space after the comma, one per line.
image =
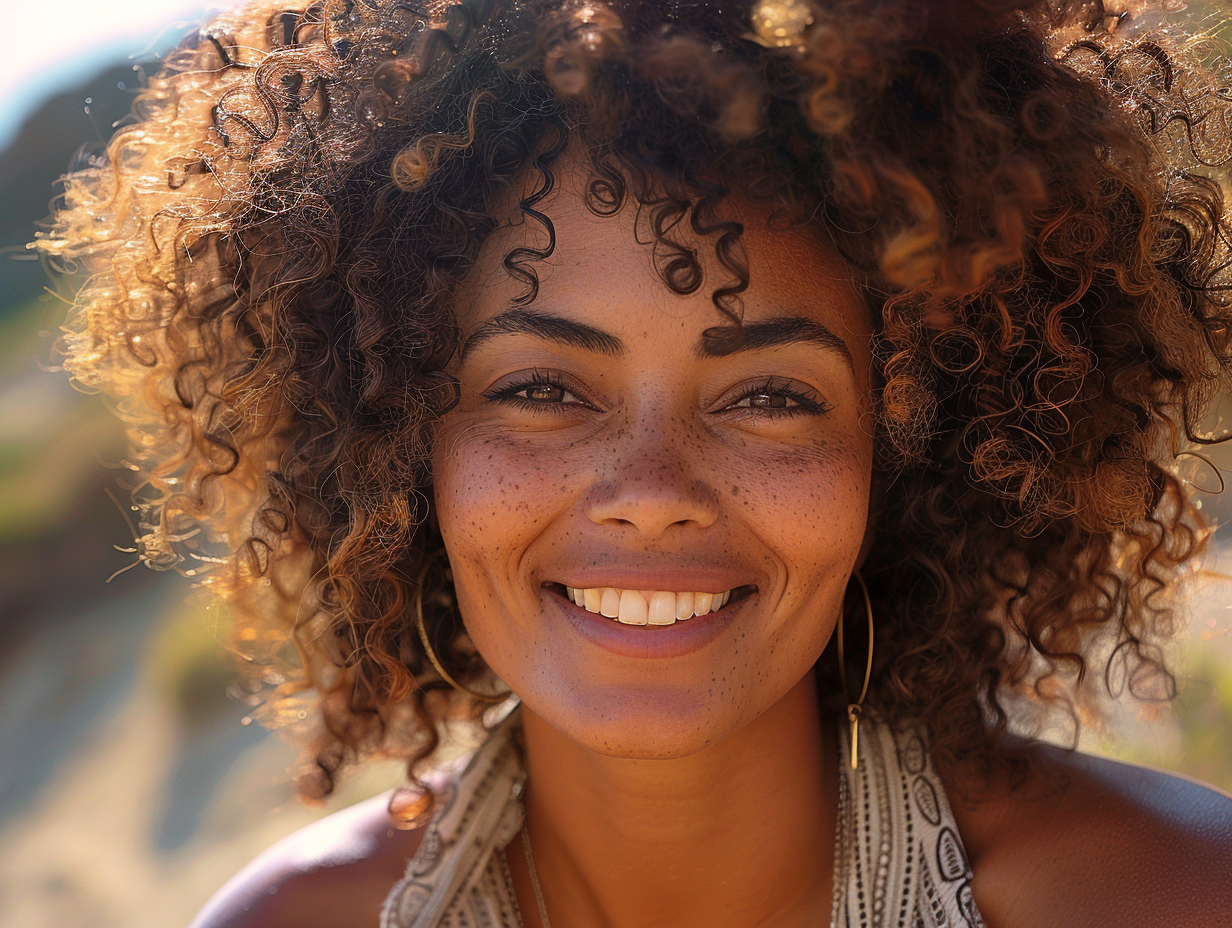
[427,646]
[855,708]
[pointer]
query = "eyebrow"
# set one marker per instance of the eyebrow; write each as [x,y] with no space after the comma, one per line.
[767,333]
[519,321]
[780,332]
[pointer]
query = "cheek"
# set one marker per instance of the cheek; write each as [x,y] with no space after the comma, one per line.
[809,512]
[493,498]
[809,507]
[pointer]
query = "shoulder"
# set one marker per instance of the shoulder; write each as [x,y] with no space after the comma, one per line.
[1095,842]
[335,872]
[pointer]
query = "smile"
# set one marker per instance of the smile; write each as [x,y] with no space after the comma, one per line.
[647,607]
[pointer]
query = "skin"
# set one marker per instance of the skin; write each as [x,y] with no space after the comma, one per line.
[700,788]
[654,472]
[653,469]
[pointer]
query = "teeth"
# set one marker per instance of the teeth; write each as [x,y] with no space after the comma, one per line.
[684,605]
[647,607]
[590,599]
[609,603]
[633,608]
[662,608]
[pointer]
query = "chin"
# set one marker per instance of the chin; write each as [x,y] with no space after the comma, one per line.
[643,726]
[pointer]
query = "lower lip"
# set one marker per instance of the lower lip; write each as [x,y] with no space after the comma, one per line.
[646,641]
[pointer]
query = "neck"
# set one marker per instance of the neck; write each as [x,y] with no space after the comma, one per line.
[739,834]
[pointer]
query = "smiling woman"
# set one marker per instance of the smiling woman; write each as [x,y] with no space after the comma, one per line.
[578,378]
[603,443]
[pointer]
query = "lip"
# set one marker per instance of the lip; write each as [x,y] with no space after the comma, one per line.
[647,642]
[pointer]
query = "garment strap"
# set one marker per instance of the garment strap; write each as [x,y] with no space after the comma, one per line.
[898,860]
[459,864]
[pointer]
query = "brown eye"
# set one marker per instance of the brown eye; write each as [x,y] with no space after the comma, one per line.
[768,401]
[783,398]
[540,394]
[545,393]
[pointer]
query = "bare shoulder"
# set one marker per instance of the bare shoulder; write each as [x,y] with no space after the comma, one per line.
[335,872]
[1092,842]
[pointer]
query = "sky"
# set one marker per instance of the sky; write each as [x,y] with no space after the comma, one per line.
[49,45]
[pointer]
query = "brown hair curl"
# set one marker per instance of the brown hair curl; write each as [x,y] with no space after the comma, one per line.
[272,249]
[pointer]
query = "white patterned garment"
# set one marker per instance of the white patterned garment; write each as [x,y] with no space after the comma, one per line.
[899,862]
[459,878]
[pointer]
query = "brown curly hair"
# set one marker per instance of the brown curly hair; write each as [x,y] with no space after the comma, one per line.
[1026,192]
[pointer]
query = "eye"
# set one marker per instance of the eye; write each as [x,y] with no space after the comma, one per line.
[544,393]
[767,401]
[539,390]
[779,397]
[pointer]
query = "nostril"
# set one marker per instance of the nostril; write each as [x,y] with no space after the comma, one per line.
[652,517]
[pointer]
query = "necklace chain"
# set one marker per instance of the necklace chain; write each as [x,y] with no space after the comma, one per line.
[534,878]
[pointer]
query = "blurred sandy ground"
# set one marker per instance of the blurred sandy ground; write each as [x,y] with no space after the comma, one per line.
[129,789]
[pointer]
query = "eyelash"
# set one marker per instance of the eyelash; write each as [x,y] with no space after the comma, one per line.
[807,402]
[508,393]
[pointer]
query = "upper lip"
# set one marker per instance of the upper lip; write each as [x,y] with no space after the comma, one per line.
[682,580]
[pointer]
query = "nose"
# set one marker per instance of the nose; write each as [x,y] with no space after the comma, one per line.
[654,480]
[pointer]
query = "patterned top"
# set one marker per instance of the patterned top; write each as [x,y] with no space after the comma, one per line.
[899,862]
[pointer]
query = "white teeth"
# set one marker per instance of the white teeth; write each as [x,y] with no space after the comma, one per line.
[590,599]
[647,607]
[662,608]
[684,605]
[633,608]
[609,603]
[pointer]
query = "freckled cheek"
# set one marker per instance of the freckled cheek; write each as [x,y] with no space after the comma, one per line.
[809,505]
[492,499]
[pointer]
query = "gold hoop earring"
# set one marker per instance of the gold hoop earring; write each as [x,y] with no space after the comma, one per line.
[440,669]
[855,708]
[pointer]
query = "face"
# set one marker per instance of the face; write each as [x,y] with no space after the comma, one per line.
[599,448]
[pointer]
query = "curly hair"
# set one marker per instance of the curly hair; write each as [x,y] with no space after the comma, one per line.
[1028,193]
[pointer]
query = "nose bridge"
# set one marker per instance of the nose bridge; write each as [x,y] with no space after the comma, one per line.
[653,474]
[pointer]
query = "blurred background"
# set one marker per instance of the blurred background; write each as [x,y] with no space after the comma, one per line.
[129,789]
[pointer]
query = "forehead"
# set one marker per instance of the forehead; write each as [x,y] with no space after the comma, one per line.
[607,267]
